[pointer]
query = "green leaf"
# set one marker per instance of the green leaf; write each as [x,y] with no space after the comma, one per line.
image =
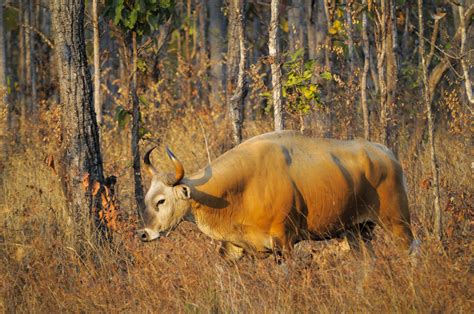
[143,101]
[141,65]
[132,19]
[165,4]
[122,116]
[142,132]
[118,12]
[326,75]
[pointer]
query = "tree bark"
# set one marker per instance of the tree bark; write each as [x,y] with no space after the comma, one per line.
[392,73]
[274,52]
[386,65]
[350,40]
[438,71]
[80,159]
[464,64]
[406,32]
[236,61]
[365,71]
[21,71]
[427,101]
[96,44]
[296,26]
[217,29]
[139,194]
[4,110]
[315,29]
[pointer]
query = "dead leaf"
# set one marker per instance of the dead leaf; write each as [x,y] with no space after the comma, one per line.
[95,188]
[85,181]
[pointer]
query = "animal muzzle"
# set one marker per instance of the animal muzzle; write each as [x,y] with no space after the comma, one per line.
[147,235]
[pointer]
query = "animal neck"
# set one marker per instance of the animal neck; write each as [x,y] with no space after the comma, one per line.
[212,202]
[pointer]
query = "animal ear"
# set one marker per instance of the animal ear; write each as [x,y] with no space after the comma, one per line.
[182,191]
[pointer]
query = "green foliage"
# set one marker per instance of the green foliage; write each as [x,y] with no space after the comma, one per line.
[298,90]
[10,19]
[122,116]
[140,16]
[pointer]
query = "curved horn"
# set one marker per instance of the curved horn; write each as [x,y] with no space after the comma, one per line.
[178,166]
[148,166]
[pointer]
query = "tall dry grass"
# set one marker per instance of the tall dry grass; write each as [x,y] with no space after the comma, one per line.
[41,272]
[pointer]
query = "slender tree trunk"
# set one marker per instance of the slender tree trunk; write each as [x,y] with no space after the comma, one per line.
[4,110]
[34,87]
[381,40]
[365,71]
[96,44]
[29,78]
[274,51]
[139,195]
[316,29]
[21,72]
[392,72]
[3,67]
[328,44]
[427,100]
[329,13]
[310,14]
[296,26]
[236,61]
[350,40]
[464,64]
[373,69]
[406,32]
[202,56]
[216,33]
[80,158]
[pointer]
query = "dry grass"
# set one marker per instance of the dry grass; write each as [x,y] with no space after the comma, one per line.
[41,272]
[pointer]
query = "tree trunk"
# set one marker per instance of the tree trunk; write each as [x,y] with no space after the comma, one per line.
[236,61]
[96,44]
[392,72]
[296,26]
[21,71]
[274,52]
[406,32]
[29,73]
[80,160]
[216,33]
[329,7]
[350,40]
[328,43]
[382,43]
[310,14]
[365,71]
[427,100]
[464,64]
[139,195]
[4,110]
[315,29]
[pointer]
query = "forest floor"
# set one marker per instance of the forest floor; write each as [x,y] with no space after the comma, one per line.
[41,272]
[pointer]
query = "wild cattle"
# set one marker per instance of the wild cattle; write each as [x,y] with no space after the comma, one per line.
[279,188]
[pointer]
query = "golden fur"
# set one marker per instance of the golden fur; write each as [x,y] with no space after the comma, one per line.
[282,187]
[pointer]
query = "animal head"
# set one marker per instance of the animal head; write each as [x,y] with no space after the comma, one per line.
[167,201]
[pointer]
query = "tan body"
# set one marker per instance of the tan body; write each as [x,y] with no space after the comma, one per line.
[279,188]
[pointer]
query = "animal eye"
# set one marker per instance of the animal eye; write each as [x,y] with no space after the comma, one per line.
[160,202]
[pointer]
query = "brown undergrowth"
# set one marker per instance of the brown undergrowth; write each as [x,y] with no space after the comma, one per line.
[41,272]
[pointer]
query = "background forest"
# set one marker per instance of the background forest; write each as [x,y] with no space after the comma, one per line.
[88,86]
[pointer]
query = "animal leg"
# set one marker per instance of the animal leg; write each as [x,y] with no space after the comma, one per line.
[394,215]
[360,239]
[231,252]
